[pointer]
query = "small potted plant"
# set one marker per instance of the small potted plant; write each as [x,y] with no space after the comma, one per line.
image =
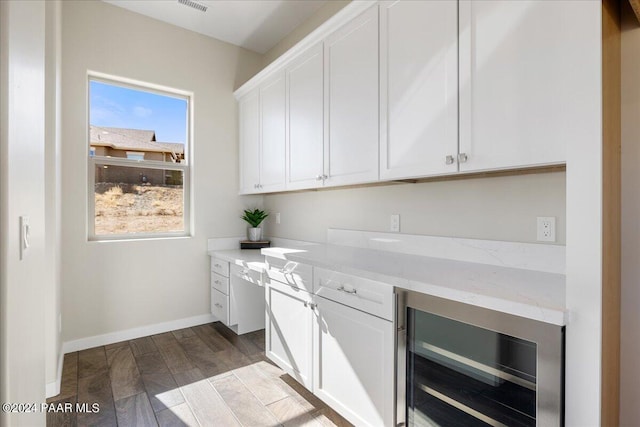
[255,218]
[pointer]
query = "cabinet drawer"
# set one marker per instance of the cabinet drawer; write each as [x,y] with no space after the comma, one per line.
[220,283]
[219,266]
[290,273]
[245,274]
[220,306]
[364,294]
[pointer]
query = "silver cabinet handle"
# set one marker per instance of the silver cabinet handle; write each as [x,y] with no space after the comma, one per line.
[462,157]
[312,306]
[288,267]
[218,305]
[449,160]
[342,289]
[318,177]
[217,282]
[325,177]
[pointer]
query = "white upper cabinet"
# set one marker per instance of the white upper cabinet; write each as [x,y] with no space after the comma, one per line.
[516,72]
[418,88]
[351,101]
[305,147]
[273,134]
[249,112]
[263,137]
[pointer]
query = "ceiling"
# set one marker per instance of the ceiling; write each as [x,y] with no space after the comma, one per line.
[257,25]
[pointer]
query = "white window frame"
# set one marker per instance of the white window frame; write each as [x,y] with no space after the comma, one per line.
[186,166]
[135,155]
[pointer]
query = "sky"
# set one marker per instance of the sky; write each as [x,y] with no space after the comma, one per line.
[117,106]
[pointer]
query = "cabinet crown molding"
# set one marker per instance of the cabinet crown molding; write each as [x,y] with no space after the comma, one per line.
[343,16]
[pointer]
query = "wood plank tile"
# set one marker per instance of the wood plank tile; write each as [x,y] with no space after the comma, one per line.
[116,345]
[175,357]
[246,407]
[91,362]
[201,355]
[135,411]
[125,377]
[290,413]
[243,344]
[162,390]
[97,389]
[207,405]
[166,338]
[143,346]
[188,377]
[62,418]
[151,363]
[265,389]
[211,338]
[69,379]
[183,333]
[178,416]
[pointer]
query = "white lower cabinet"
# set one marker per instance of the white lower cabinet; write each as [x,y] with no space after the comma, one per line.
[353,363]
[344,355]
[288,331]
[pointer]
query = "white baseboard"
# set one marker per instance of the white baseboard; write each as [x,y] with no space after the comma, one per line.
[53,388]
[129,334]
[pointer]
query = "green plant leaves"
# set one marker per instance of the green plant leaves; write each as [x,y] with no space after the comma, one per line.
[255,217]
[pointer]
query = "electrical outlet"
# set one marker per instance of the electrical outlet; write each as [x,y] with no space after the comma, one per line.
[278,218]
[394,226]
[546,229]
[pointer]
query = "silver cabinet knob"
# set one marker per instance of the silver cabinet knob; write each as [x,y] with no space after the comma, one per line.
[462,157]
[324,177]
[318,177]
[449,160]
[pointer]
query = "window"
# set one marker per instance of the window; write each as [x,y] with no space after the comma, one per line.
[139,164]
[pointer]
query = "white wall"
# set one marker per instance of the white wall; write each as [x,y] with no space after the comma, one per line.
[53,293]
[630,293]
[301,31]
[114,286]
[22,192]
[499,208]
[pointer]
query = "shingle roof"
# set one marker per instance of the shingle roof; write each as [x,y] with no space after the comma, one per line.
[131,139]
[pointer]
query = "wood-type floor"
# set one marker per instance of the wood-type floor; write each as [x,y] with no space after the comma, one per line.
[200,376]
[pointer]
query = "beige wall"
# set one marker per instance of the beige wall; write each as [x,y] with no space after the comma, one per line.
[499,208]
[630,312]
[114,286]
[302,30]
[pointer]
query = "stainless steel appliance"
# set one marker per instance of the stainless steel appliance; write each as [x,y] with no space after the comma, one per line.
[461,365]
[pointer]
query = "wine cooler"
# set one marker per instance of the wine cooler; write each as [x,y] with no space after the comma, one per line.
[461,365]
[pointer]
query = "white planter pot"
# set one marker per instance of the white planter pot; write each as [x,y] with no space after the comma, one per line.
[255,234]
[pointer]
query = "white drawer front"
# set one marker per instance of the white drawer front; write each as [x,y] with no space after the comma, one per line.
[219,266]
[245,274]
[220,283]
[290,273]
[220,306]
[364,294]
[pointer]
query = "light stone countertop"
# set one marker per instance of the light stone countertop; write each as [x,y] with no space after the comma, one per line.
[250,258]
[527,293]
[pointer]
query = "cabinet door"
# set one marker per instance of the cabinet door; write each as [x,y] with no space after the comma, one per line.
[518,62]
[288,331]
[306,120]
[351,73]
[354,363]
[249,117]
[418,88]
[273,131]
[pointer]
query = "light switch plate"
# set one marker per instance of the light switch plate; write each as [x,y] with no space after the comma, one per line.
[394,226]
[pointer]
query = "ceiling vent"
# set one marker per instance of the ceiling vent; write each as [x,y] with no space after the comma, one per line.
[193,4]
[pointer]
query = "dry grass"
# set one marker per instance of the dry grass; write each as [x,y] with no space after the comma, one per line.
[129,208]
